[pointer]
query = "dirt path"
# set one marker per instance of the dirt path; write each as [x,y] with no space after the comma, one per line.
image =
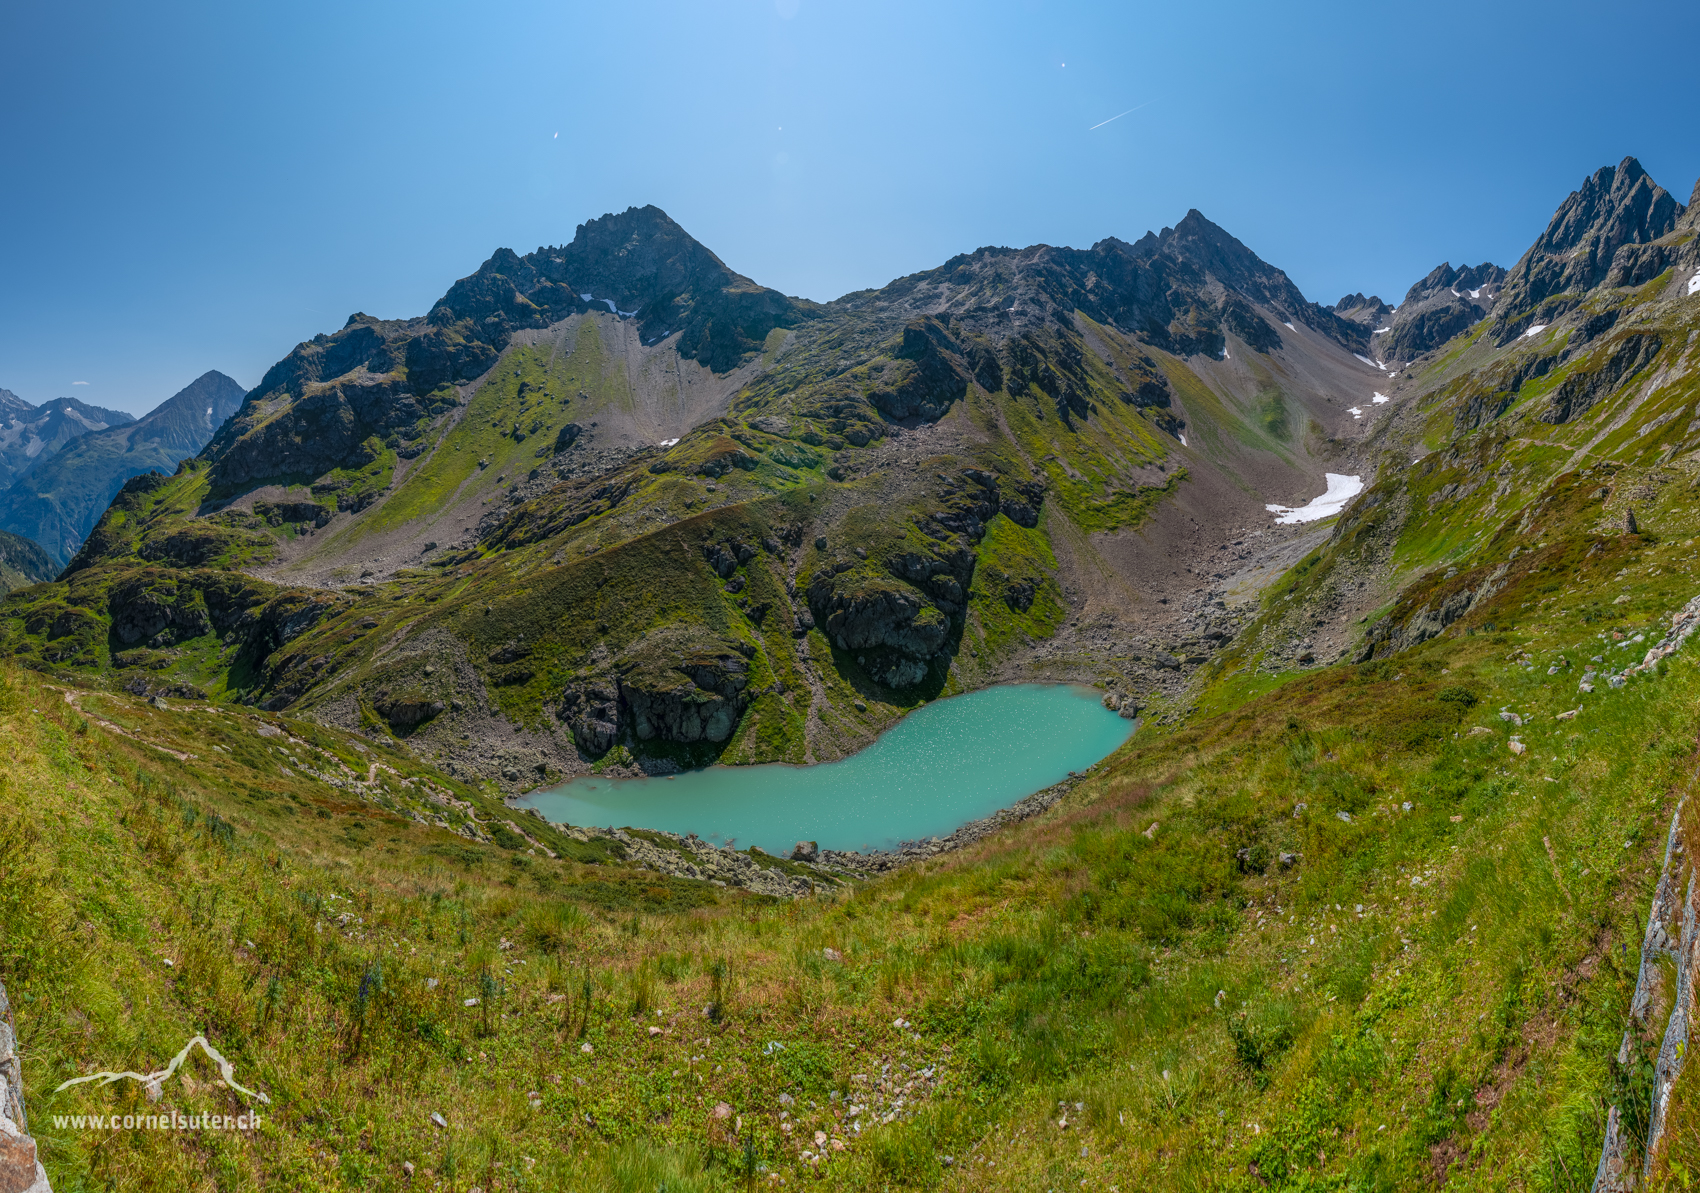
[71,697]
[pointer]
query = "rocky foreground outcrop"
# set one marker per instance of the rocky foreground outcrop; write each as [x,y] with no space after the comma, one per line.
[20,1168]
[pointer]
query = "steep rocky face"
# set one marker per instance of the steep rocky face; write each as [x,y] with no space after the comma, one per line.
[23,563]
[1446,302]
[1603,234]
[30,435]
[58,501]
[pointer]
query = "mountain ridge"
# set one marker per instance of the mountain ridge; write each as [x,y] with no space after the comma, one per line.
[61,497]
[913,487]
[31,434]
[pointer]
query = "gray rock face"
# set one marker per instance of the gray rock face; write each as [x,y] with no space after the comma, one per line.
[682,690]
[20,1169]
[592,711]
[896,632]
[158,610]
[929,374]
[407,710]
[1615,209]
[1388,636]
[1445,303]
[1579,392]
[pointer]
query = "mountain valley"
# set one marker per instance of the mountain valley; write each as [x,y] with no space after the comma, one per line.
[1400,597]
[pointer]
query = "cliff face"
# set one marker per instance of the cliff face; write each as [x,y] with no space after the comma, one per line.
[1445,303]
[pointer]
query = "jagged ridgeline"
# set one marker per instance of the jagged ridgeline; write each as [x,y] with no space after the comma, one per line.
[620,496]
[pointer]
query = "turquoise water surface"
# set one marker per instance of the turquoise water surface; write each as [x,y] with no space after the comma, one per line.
[943,765]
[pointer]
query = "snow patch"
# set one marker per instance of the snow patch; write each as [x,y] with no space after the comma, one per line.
[1377,332]
[611,306]
[1290,327]
[1535,330]
[1183,439]
[1475,294]
[1694,283]
[1225,352]
[1378,399]
[1341,489]
[1366,360]
[1354,411]
[667,443]
[1455,293]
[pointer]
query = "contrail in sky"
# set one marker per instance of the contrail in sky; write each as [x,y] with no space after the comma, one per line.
[1119,115]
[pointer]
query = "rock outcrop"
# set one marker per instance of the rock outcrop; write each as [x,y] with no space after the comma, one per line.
[678,684]
[20,1167]
[1579,392]
[928,373]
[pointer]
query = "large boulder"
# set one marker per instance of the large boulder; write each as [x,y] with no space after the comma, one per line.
[406,710]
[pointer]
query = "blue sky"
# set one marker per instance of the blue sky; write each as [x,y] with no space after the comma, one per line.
[185,187]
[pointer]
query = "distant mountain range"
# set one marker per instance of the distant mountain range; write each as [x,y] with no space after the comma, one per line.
[31,434]
[67,460]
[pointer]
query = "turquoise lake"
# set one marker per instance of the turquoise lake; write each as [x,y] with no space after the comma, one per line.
[943,765]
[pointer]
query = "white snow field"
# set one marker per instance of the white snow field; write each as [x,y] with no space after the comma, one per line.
[1341,489]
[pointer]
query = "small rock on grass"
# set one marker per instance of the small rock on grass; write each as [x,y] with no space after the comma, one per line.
[439,1120]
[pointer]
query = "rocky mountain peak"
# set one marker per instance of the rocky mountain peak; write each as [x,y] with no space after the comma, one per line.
[1216,252]
[637,264]
[1595,238]
[1369,311]
[1444,303]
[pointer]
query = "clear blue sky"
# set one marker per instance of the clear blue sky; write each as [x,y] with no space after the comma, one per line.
[195,186]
